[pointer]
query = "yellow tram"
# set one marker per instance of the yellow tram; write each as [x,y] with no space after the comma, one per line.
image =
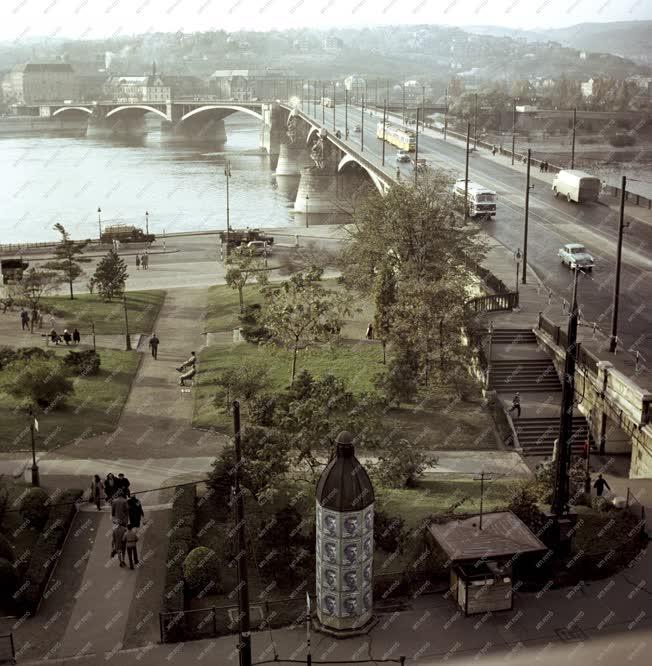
[400,137]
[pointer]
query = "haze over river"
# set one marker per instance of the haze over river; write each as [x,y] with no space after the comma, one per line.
[49,179]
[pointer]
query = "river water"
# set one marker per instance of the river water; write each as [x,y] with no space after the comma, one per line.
[49,179]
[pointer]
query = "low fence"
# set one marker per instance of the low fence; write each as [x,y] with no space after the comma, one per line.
[585,359]
[493,303]
[7,649]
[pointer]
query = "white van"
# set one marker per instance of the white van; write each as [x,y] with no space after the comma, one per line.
[577,186]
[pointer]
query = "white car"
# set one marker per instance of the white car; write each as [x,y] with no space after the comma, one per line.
[259,248]
[357,128]
[575,256]
[402,156]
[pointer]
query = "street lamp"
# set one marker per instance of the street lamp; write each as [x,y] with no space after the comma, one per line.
[307,199]
[517,259]
[33,425]
[147,223]
[127,336]
[99,223]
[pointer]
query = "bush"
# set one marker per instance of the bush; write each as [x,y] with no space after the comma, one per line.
[399,383]
[523,505]
[601,504]
[83,363]
[34,508]
[9,355]
[251,328]
[201,571]
[6,549]
[43,381]
[7,577]
[388,532]
[48,548]
[619,139]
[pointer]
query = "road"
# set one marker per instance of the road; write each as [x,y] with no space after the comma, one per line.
[552,222]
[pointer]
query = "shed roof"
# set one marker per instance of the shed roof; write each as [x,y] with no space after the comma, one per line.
[503,534]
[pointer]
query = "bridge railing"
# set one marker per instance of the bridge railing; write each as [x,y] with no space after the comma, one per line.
[493,302]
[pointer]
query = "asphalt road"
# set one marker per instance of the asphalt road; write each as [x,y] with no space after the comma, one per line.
[552,222]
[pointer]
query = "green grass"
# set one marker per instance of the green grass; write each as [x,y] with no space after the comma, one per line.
[94,407]
[142,309]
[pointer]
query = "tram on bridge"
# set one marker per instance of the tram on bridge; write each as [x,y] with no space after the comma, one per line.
[401,137]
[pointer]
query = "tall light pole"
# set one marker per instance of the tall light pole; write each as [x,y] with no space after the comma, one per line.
[423,106]
[147,222]
[346,113]
[127,336]
[244,645]
[527,213]
[446,113]
[362,126]
[416,151]
[513,130]
[227,174]
[99,224]
[33,425]
[517,259]
[334,104]
[307,200]
[475,123]
[384,123]
[323,108]
[613,342]
[573,143]
[466,172]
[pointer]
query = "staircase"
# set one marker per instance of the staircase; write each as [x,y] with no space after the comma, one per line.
[533,375]
[537,435]
[513,336]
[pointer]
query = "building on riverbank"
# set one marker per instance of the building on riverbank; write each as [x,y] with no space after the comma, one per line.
[35,83]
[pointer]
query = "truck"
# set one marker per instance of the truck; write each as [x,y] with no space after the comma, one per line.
[576,185]
[242,237]
[12,270]
[481,200]
[125,233]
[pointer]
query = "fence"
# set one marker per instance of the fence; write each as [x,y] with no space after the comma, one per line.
[493,302]
[585,359]
[7,649]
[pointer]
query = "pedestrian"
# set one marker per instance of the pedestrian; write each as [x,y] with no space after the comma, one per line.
[130,539]
[542,166]
[136,513]
[545,168]
[153,343]
[109,487]
[119,509]
[24,318]
[370,332]
[191,360]
[66,336]
[123,484]
[137,262]
[493,151]
[398,173]
[599,485]
[55,338]
[96,492]
[76,338]
[145,261]
[118,544]
[516,405]
[53,322]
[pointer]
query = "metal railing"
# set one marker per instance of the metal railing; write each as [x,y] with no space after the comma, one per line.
[7,649]
[493,302]
[586,359]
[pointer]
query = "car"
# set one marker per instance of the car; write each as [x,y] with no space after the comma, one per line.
[357,128]
[575,255]
[402,156]
[419,164]
[258,248]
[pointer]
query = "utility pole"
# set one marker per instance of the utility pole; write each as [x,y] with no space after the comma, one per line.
[404,109]
[384,122]
[127,336]
[227,173]
[481,479]
[33,425]
[244,646]
[333,104]
[323,108]
[147,223]
[513,130]
[475,124]
[416,151]
[573,144]
[466,172]
[99,224]
[613,343]
[446,114]
[527,212]
[346,113]
[308,624]
[362,127]
[560,496]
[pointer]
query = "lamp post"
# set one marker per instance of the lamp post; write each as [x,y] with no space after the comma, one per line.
[227,173]
[491,334]
[513,129]
[573,143]
[613,342]
[334,93]
[307,200]
[323,108]
[362,126]
[346,113]
[416,151]
[33,425]
[466,173]
[527,212]
[99,224]
[475,123]
[147,222]
[384,122]
[517,259]
[127,336]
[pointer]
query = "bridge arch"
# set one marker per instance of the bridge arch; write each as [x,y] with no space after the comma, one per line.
[378,182]
[73,108]
[313,130]
[218,107]
[143,107]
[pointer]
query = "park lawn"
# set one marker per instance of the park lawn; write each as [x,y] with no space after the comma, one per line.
[94,408]
[142,310]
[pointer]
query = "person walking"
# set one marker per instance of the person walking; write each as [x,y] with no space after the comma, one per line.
[130,539]
[118,544]
[516,405]
[67,338]
[119,509]
[109,487]
[145,261]
[493,151]
[370,332]
[96,491]
[153,344]
[123,484]
[136,513]
[137,261]
[599,485]
[76,337]
[24,319]
[542,167]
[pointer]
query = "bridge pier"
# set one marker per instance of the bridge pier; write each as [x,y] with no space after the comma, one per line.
[120,125]
[199,129]
[272,131]
[291,159]
[316,197]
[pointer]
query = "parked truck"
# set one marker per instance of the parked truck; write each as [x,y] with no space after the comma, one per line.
[239,237]
[125,233]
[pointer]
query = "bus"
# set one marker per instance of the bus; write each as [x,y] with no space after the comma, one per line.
[481,200]
[400,137]
[327,101]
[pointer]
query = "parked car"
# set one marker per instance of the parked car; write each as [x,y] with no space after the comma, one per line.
[357,128]
[576,186]
[402,156]
[259,248]
[575,256]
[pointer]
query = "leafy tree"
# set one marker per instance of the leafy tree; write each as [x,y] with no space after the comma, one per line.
[300,313]
[202,571]
[242,266]
[389,532]
[110,276]
[523,504]
[34,286]
[250,324]
[242,383]
[34,508]
[399,383]
[39,381]
[69,256]
[400,463]
[385,299]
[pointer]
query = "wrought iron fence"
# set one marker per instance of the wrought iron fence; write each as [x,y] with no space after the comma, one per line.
[493,302]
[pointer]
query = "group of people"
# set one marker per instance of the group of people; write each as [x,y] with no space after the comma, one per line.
[67,337]
[26,320]
[126,513]
[188,369]
[543,167]
[142,261]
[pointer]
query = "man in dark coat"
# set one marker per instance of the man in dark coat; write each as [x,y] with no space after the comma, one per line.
[123,484]
[153,343]
[136,513]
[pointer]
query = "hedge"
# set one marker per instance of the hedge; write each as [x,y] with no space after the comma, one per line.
[47,550]
[179,545]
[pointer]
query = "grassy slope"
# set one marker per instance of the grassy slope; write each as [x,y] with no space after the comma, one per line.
[94,407]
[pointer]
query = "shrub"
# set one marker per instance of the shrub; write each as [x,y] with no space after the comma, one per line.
[48,548]
[34,508]
[601,504]
[523,505]
[7,577]
[388,532]
[251,328]
[43,381]
[201,569]
[399,383]
[83,363]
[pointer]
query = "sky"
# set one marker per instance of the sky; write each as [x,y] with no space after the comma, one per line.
[90,19]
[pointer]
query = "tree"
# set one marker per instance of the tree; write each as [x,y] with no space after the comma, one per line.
[69,256]
[385,299]
[243,265]
[38,381]
[110,276]
[401,463]
[300,313]
[244,383]
[34,286]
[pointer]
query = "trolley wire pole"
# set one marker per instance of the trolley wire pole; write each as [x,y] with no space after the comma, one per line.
[613,343]
[384,124]
[362,126]
[416,151]
[466,172]
[527,213]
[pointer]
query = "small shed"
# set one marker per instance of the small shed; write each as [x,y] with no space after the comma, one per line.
[482,551]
